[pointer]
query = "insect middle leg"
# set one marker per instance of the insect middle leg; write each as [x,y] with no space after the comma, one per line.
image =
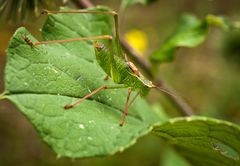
[126,107]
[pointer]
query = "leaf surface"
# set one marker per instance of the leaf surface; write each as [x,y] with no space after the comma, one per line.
[203,141]
[41,80]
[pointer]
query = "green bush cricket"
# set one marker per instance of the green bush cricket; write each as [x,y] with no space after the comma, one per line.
[116,66]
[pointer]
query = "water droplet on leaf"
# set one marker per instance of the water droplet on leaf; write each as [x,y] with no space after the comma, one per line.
[81,126]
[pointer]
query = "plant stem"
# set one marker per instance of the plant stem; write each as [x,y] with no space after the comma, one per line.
[182,106]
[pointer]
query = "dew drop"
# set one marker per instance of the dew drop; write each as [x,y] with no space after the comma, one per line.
[26,84]
[89,138]
[91,121]
[81,126]
[67,54]
[79,78]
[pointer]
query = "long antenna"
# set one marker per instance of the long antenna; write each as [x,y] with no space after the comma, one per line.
[165,91]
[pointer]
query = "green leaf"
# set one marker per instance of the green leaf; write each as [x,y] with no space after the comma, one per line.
[41,80]
[190,32]
[127,3]
[203,141]
[172,158]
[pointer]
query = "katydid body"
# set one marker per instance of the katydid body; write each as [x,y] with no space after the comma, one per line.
[116,66]
[121,71]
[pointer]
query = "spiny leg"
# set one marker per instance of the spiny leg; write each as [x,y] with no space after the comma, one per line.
[85,97]
[133,99]
[113,13]
[96,45]
[126,107]
[130,103]
[29,42]
[90,95]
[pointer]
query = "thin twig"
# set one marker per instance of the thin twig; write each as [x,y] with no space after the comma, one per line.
[185,109]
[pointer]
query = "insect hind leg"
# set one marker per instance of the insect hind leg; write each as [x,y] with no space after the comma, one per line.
[69,106]
[126,107]
[29,42]
[85,97]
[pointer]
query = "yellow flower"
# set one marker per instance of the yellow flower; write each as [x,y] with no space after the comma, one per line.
[138,40]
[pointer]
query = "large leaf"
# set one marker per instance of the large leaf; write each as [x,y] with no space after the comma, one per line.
[203,141]
[190,32]
[40,80]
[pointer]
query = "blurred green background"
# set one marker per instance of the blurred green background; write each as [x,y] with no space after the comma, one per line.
[207,77]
